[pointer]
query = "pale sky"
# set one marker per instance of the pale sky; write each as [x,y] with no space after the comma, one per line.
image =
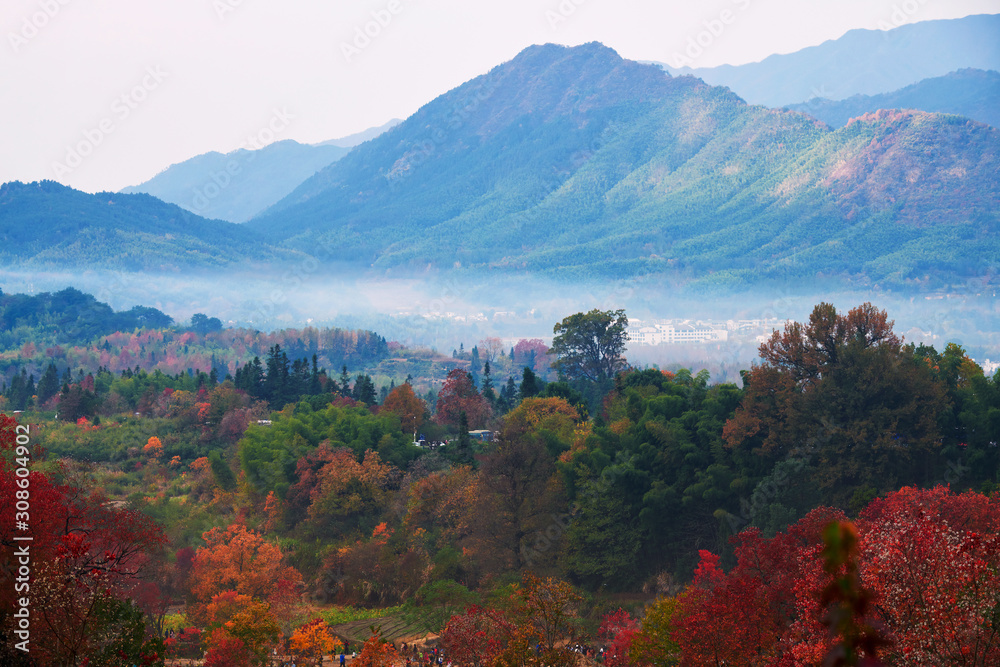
[142,84]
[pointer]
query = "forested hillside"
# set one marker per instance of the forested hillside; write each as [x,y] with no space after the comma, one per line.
[610,487]
[238,185]
[970,92]
[46,224]
[574,162]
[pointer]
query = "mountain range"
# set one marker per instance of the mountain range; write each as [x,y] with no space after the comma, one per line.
[861,62]
[576,162]
[973,93]
[236,186]
[46,224]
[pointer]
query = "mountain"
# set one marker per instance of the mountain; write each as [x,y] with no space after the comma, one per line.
[67,317]
[236,186]
[861,62]
[352,140]
[973,93]
[577,163]
[46,224]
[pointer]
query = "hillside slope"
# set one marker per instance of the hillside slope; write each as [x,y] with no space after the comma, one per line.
[46,224]
[575,162]
[972,93]
[861,62]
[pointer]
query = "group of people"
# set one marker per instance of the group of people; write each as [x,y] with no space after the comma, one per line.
[416,657]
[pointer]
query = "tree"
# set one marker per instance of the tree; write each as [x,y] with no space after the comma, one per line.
[618,630]
[48,386]
[919,569]
[590,346]
[153,447]
[310,642]
[462,453]
[256,627]
[843,392]
[490,349]
[529,384]
[520,497]
[238,559]
[376,653]
[488,393]
[347,493]
[364,389]
[477,637]
[223,474]
[654,643]
[226,651]
[522,629]
[87,556]
[533,353]
[405,404]
[203,324]
[459,395]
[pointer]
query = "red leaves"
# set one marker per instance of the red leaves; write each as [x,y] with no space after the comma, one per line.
[477,637]
[618,630]
[459,395]
[926,563]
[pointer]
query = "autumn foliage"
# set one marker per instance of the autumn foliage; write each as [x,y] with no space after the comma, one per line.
[236,561]
[376,653]
[460,395]
[87,557]
[406,405]
[524,628]
[312,641]
[926,573]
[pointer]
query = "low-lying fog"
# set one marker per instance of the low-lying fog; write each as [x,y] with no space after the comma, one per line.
[442,311]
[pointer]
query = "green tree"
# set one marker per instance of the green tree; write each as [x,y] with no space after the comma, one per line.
[529,384]
[463,448]
[364,389]
[48,386]
[590,346]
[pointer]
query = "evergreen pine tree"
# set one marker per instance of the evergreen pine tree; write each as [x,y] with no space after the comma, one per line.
[529,384]
[463,449]
[488,393]
[345,381]
[48,386]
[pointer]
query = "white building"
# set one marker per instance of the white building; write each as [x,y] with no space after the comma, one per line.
[671,333]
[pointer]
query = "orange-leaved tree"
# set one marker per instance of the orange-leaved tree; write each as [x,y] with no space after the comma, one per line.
[405,404]
[376,653]
[310,642]
[240,560]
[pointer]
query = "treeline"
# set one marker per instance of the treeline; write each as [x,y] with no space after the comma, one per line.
[839,412]
[67,317]
[172,352]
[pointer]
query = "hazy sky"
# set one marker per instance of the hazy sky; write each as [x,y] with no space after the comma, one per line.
[142,84]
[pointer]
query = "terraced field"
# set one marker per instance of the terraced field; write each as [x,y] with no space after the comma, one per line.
[395,627]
